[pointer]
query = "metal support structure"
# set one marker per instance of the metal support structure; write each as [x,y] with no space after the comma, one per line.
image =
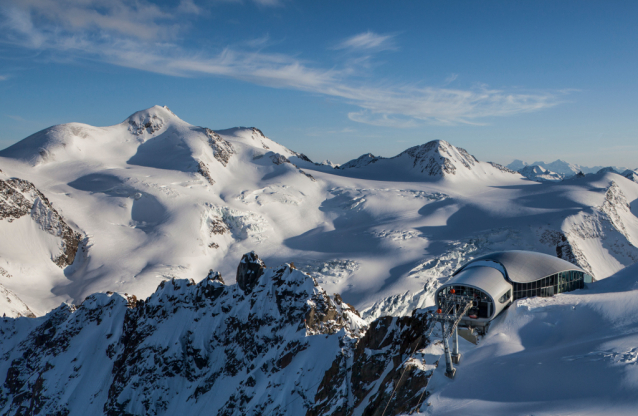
[451,311]
[456,355]
[449,368]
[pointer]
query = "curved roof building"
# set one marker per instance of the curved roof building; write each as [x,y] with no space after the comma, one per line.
[497,279]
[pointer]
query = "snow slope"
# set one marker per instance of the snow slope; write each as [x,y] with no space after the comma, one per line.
[155,198]
[574,353]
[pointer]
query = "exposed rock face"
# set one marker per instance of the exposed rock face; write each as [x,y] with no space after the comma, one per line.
[19,198]
[214,276]
[278,159]
[13,203]
[203,170]
[192,349]
[222,149]
[249,271]
[502,168]
[361,161]
[566,249]
[379,372]
[309,176]
[145,122]
[439,158]
[614,203]
[12,304]
[302,157]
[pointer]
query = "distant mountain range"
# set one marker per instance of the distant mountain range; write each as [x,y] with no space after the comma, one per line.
[559,170]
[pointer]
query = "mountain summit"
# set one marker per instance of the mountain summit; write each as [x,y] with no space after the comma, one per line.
[433,160]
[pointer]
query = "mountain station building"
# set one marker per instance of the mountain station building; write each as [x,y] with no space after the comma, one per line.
[495,280]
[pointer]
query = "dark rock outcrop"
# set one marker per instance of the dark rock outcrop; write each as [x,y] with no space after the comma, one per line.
[250,269]
[565,249]
[502,168]
[380,372]
[203,170]
[222,149]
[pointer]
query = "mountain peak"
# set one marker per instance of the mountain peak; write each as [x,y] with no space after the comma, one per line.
[540,174]
[150,120]
[439,158]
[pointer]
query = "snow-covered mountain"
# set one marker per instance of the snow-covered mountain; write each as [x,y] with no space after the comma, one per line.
[429,161]
[155,198]
[540,174]
[563,168]
[103,217]
[632,175]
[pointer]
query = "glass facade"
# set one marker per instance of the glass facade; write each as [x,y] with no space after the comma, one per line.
[483,303]
[551,285]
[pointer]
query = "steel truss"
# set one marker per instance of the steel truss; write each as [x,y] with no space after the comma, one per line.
[451,310]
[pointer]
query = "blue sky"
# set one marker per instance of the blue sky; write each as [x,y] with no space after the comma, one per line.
[535,80]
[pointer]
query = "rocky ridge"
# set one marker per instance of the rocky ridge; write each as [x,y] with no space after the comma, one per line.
[13,306]
[19,197]
[274,343]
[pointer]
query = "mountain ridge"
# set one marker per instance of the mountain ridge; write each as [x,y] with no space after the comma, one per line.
[156,198]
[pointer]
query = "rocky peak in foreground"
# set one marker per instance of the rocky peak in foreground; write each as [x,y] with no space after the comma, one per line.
[277,345]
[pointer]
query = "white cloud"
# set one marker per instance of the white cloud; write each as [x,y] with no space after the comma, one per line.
[268,3]
[381,119]
[450,79]
[140,19]
[189,7]
[367,41]
[129,36]
[3,77]
[262,3]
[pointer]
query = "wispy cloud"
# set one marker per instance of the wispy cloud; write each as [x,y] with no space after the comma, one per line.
[450,79]
[262,3]
[138,19]
[368,41]
[143,36]
[3,77]
[258,42]
[16,118]
[269,3]
[189,7]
